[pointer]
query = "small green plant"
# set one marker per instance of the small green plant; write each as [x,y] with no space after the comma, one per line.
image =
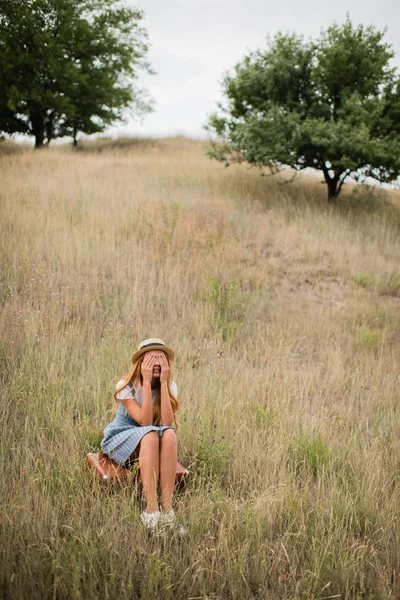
[309,454]
[93,440]
[74,213]
[364,280]
[391,287]
[213,454]
[369,338]
[170,216]
[227,310]
[155,576]
[264,418]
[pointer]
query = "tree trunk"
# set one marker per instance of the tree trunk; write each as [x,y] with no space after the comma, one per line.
[39,138]
[332,183]
[38,129]
[75,142]
[332,189]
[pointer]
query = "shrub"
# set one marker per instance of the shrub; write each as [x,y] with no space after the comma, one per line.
[391,287]
[227,313]
[213,455]
[364,280]
[309,454]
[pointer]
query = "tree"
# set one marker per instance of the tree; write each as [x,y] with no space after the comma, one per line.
[332,104]
[68,66]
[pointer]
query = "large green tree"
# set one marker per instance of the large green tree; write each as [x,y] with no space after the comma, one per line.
[68,66]
[332,104]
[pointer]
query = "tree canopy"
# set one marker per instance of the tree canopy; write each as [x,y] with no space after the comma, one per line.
[69,65]
[332,104]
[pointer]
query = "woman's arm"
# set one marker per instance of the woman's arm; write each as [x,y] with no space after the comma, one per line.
[167,415]
[143,414]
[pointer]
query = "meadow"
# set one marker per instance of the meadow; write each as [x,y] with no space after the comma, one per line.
[284,312]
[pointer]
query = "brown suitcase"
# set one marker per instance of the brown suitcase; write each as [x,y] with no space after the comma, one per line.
[107,469]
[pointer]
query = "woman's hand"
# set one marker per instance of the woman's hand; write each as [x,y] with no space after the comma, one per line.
[165,370]
[147,368]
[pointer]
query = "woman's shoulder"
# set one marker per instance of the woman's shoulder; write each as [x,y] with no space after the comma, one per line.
[174,387]
[120,383]
[126,391]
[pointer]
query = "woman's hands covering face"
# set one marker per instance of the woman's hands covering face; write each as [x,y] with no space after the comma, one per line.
[147,367]
[165,370]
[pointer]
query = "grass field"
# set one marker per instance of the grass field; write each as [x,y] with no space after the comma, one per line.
[284,313]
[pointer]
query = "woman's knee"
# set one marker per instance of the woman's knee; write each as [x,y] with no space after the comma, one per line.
[169,437]
[150,440]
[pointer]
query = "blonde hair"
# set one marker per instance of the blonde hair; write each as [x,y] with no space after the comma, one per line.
[135,379]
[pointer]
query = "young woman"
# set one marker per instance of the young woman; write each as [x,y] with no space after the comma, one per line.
[143,428]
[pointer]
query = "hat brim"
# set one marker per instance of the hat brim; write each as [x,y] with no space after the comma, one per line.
[168,351]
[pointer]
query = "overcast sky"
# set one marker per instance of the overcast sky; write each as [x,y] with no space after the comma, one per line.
[192,42]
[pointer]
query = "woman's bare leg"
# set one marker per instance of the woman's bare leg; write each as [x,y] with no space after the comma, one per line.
[168,458]
[149,468]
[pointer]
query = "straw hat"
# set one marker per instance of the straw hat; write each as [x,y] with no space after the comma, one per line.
[152,344]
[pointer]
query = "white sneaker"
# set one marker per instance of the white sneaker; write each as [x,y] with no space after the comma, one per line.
[150,520]
[169,520]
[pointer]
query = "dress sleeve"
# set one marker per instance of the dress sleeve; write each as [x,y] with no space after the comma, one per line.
[127,393]
[174,388]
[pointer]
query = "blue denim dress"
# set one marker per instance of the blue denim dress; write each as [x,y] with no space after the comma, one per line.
[123,434]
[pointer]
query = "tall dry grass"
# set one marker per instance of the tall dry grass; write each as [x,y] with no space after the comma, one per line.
[284,313]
